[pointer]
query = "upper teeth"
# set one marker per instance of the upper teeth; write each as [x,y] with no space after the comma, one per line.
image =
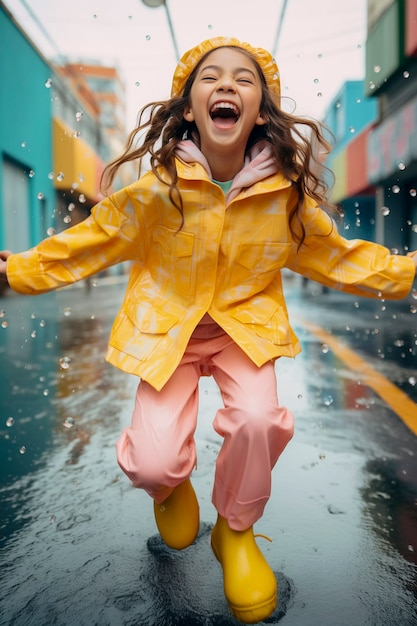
[225,105]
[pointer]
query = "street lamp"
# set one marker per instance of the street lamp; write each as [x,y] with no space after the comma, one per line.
[153,4]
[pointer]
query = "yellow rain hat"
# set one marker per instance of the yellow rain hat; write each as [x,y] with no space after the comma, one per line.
[190,60]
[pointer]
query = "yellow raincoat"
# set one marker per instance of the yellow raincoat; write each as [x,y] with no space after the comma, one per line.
[224,260]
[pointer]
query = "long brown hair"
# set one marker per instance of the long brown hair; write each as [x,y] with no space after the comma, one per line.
[297,144]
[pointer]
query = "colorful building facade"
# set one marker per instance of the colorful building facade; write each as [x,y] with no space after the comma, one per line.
[53,143]
[376,170]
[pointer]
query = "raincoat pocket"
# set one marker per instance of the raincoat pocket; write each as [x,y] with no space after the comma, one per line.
[254,266]
[149,319]
[266,318]
[177,244]
[262,257]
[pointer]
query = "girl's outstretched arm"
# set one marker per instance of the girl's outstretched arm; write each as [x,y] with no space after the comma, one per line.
[4,254]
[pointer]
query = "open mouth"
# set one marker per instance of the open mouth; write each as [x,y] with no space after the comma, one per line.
[224,114]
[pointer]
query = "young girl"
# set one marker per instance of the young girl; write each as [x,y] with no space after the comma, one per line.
[234,194]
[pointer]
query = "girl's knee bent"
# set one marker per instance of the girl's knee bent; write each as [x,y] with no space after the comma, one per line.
[153,467]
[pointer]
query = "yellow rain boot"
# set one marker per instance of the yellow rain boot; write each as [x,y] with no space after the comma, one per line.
[249,583]
[178,517]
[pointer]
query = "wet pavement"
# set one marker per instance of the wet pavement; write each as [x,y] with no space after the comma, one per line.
[79,545]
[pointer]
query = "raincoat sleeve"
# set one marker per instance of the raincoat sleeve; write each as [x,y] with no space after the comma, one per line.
[354,266]
[108,236]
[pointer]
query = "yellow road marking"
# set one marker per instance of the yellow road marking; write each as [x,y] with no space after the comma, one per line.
[399,402]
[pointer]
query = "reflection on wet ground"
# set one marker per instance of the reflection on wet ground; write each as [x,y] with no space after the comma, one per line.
[79,545]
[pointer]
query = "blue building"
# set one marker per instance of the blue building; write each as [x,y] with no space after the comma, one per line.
[27,194]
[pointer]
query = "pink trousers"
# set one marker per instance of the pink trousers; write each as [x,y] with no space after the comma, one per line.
[157,452]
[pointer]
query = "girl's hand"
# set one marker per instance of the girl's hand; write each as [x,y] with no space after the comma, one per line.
[413,255]
[4,254]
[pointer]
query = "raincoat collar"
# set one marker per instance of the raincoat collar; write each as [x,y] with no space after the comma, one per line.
[259,164]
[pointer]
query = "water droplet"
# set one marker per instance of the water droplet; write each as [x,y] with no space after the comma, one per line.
[129,17]
[82,198]
[22,449]
[40,196]
[68,422]
[410,548]
[33,334]
[401,165]
[48,83]
[67,311]
[51,176]
[385,211]
[94,16]
[316,80]
[23,144]
[371,85]
[328,400]
[64,362]
[322,457]
[137,84]
[51,231]
[413,309]
[76,134]
[60,176]
[9,422]
[319,94]
[395,189]
[358,100]
[2,312]
[413,193]
[412,380]
[377,69]
[395,251]
[71,207]
[406,74]
[31,173]
[4,324]
[414,294]
[351,130]
[333,510]
[42,323]
[300,395]
[325,348]
[148,37]
[210,26]
[46,392]
[78,116]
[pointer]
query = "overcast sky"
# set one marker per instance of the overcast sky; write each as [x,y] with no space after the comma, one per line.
[321,43]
